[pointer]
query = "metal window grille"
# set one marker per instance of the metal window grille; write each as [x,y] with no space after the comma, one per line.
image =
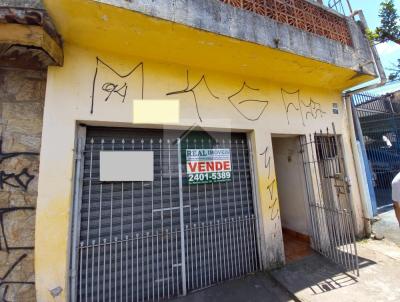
[337,5]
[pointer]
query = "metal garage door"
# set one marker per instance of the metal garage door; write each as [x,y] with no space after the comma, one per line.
[147,241]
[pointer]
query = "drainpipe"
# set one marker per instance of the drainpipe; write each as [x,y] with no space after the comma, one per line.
[377,61]
[360,172]
[366,168]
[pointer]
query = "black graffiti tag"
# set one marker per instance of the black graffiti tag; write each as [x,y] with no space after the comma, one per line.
[111,88]
[273,204]
[3,238]
[20,180]
[311,109]
[247,106]
[117,87]
[5,282]
[192,90]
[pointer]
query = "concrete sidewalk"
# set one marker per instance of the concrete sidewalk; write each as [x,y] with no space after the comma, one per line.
[314,278]
[388,226]
[253,288]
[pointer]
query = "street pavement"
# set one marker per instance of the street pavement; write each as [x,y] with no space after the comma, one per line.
[387,226]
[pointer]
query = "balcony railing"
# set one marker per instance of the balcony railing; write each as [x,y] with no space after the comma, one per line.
[341,6]
[301,14]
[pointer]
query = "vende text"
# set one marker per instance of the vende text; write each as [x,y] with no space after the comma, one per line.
[208,166]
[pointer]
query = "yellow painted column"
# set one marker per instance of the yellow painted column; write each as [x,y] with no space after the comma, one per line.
[271,243]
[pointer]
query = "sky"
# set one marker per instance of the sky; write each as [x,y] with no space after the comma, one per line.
[389,52]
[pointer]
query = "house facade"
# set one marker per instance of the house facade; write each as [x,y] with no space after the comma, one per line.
[153,148]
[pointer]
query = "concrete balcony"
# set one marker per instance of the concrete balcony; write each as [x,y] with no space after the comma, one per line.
[273,39]
[308,16]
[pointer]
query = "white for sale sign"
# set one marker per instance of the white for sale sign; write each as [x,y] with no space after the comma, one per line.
[208,165]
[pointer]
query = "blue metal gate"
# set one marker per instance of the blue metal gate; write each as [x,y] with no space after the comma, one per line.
[379,118]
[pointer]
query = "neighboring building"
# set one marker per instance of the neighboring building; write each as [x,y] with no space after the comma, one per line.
[167,129]
[379,119]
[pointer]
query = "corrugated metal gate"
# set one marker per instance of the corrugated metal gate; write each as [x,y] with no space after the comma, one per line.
[147,241]
[379,118]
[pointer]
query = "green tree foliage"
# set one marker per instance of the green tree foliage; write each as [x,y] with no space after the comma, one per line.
[389,30]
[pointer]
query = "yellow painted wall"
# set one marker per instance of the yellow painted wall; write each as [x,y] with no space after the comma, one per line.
[68,102]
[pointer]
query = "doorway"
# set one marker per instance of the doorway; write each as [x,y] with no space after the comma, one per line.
[292,197]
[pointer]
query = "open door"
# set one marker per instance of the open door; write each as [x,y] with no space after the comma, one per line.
[293,201]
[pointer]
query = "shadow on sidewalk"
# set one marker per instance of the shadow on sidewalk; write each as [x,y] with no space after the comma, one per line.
[298,281]
[315,274]
[252,288]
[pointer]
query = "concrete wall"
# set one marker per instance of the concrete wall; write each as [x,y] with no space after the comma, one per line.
[21,110]
[216,17]
[291,184]
[73,89]
[22,3]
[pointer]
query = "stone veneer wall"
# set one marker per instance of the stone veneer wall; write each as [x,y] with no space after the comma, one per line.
[21,112]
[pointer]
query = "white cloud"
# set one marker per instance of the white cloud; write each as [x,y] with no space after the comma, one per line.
[388,48]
